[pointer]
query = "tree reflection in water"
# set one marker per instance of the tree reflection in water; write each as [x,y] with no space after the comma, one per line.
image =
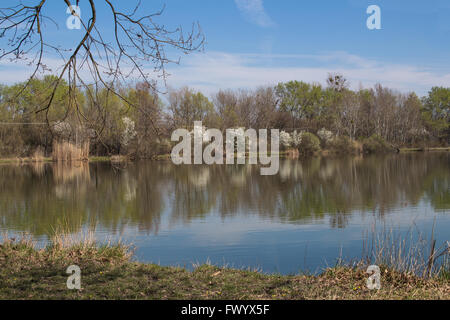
[37,198]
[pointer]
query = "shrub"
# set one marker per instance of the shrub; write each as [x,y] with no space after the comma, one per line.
[285,140]
[165,146]
[325,136]
[129,133]
[343,144]
[309,144]
[296,138]
[376,144]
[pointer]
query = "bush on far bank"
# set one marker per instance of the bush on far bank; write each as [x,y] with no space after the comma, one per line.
[309,144]
[344,145]
[376,144]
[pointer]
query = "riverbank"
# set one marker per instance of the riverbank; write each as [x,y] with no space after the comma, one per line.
[440,149]
[166,157]
[107,272]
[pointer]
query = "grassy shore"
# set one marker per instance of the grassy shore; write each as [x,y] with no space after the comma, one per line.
[23,160]
[107,272]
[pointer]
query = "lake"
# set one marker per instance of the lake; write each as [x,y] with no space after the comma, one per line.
[303,218]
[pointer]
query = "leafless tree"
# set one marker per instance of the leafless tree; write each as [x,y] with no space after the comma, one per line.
[138,42]
[337,82]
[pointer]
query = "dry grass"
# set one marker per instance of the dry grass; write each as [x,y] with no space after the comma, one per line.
[38,155]
[68,151]
[410,254]
[107,273]
[28,272]
[61,250]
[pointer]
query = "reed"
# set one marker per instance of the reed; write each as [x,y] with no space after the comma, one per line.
[68,151]
[411,254]
[64,247]
[38,155]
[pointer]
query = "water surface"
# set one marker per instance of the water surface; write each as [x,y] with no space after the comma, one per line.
[304,218]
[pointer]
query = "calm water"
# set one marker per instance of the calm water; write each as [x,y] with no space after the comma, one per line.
[302,218]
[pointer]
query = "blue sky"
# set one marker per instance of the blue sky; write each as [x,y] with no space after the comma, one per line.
[261,42]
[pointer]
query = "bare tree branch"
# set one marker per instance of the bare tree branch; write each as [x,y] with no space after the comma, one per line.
[139,43]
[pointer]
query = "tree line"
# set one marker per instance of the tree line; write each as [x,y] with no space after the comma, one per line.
[138,121]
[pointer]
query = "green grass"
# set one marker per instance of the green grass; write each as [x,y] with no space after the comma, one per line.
[47,159]
[107,272]
[22,160]
[445,274]
[445,271]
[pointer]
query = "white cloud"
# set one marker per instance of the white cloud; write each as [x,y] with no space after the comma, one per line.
[254,11]
[218,70]
[212,71]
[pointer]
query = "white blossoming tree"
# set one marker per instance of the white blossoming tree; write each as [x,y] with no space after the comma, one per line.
[325,136]
[129,133]
[285,140]
[296,138]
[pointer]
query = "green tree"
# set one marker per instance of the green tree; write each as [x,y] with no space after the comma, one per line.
[187,106]
[20,105]
[300,99]
[148,117]
[107,112]
[436,112]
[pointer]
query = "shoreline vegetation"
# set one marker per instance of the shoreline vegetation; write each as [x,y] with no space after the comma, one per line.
[312,119]
[108,272]
[164,157]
